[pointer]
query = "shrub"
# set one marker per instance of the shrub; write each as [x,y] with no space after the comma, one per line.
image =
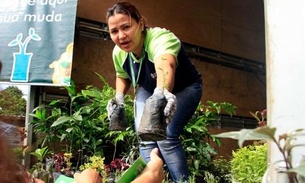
[196,136]
[248,164]
[219,171]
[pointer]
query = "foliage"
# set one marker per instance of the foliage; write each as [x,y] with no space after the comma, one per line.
[261,117]
[41,153]
[42,169]
[249,163]
[219,171]
[59,162]
[96,163]
[196,136]
[12,101]
[116,168]
[81,123]
[285,142]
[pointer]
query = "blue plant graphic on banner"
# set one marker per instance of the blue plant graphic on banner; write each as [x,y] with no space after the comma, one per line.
[22,59]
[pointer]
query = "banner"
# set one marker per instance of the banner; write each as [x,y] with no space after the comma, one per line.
[36,41]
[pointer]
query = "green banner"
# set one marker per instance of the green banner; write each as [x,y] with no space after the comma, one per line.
[36,41]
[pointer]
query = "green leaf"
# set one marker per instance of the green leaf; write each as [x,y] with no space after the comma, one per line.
[260,133]
[77,116]
[86,140]
[61,120]
[191,149]
[69,129]
[196,164]
[62,137]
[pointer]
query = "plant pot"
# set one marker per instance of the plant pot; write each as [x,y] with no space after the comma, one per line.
[43,175]
[280,175]
[21,66]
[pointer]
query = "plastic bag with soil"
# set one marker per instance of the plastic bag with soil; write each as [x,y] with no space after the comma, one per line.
[152,125]
[117,118]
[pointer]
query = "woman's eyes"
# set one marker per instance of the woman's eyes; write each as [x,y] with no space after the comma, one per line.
[113,31]
[124,28]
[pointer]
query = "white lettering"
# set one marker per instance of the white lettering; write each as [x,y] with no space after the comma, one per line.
[31,2]
[52,3]
[44,2]
[40,18]
[9,18]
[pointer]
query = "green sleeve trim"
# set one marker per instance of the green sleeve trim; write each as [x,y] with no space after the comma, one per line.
[161,41]
[119,56]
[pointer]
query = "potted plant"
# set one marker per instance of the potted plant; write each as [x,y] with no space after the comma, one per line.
[285,143]
[42,169]
[22,59]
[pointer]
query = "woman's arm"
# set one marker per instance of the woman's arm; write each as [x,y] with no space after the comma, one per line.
[165,66]
[122,85]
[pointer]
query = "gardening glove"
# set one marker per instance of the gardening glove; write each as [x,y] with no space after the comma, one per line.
[171,105]
[116,113]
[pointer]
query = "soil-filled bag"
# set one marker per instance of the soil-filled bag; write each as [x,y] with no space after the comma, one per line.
[117,118]
[152,125]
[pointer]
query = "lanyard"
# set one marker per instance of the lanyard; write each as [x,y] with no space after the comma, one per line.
[134,78]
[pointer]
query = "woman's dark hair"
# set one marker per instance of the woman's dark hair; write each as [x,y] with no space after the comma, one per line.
[124,8]
[10,170]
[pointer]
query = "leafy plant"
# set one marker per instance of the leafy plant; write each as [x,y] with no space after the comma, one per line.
[96,163]
[116,168]
[219,171]
[260,116]
[248,164]
[196,136]
[285,143]
[81,123]
[42,169]
[41,153]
